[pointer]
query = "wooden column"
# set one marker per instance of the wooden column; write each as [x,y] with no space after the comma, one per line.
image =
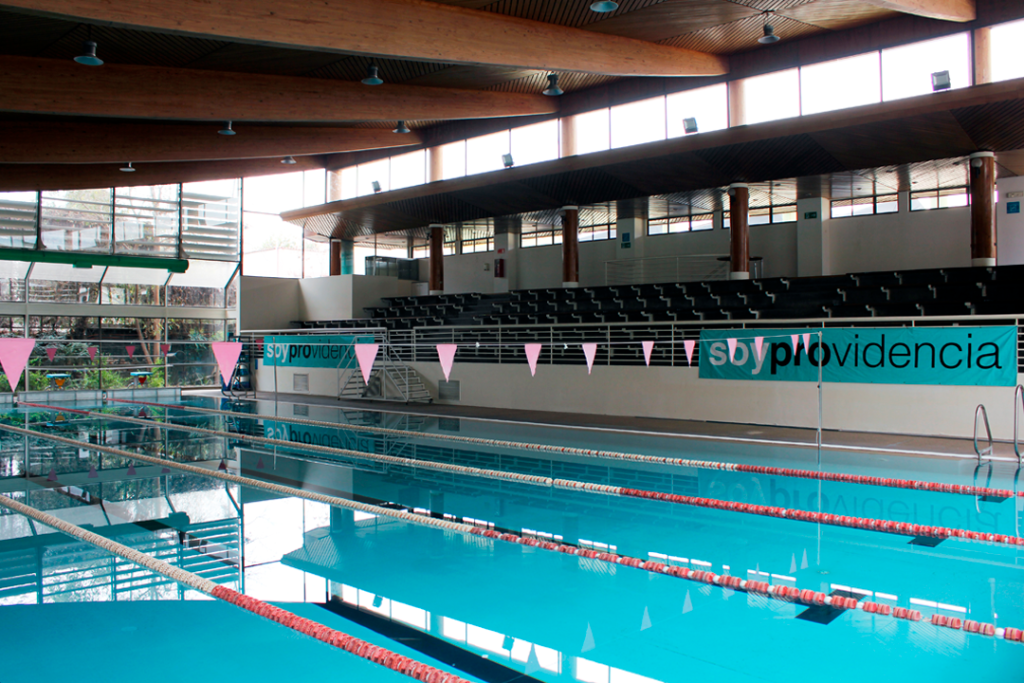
[437,259]
[982,41]
[737,112]
[739,232]
[983,210]
[435,164]
[570,246]
[335,257]
[567,136]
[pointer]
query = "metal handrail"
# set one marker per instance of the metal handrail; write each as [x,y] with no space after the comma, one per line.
[982,452]
[1018,400]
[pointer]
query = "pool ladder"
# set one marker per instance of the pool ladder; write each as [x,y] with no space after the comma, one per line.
[987,451]
[1018,401]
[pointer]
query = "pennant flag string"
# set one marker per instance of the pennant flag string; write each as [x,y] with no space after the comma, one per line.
[446,354]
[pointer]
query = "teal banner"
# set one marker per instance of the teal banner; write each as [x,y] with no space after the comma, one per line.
[328,351]
[341,437]
[975,356]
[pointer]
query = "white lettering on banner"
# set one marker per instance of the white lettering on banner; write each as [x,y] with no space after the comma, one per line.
[736,358]
[718,356]
[759,360]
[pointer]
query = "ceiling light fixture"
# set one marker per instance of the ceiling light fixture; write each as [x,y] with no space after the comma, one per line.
[769,36]
[553,90]
[289,160]
[604,6]
[941,81]
[507,160]
[690,125]
[401,128]
[127,169]
[227,129]
[372,76]
[89,57]
[376,186]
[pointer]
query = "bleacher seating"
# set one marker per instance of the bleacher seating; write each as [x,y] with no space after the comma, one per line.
[933,292]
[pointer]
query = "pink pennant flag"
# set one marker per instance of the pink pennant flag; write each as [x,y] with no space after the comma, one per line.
[758,345]
[14,355]
[131,469]
[807,342]
[732,349]
[366,354]
[532,354]
[51,353]
[227,354]
[688,345]
[446,354]
[795,338]
[92,352]
[131,350]
[165,349]
[648,347]
[590,351]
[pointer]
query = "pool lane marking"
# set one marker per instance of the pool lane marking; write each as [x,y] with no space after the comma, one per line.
[865,523]
[616,455]
[376,654]
[785,593]
[667,435]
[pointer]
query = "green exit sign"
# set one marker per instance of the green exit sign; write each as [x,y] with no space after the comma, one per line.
[810,215]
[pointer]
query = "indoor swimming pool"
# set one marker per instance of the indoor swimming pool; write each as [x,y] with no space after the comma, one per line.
[508,561]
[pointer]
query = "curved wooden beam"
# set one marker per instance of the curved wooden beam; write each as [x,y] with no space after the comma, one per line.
[36,177]
[58,86]
[78,142]
[409,29]
[947,10]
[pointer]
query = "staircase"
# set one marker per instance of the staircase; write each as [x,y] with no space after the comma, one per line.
[390,380]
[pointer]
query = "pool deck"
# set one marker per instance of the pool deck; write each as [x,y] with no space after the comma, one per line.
[900,444]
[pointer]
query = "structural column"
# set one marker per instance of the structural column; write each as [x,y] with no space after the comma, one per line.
[436,259]
[435,164]
[570,246]
[343,253]
[567,136]
[739,232]
[506,243]
[982,42]
[335,257]
[983,214]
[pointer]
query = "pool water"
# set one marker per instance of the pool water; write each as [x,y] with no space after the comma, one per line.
[487,609]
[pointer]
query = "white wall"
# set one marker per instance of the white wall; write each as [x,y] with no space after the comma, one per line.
[678,393]
[267,303]
[1010,227]
[341,297]
[940,238]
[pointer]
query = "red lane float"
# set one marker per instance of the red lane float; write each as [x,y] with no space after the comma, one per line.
[792,594]
[866,523]
[934,487]
[378,655]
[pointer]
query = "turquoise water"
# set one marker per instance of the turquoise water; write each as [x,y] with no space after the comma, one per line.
[525,609]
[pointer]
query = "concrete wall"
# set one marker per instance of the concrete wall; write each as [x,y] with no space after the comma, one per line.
[1010,235]
[267,303]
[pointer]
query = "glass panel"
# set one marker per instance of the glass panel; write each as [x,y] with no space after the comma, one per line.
[483,154]
[314,187]
[375,171]
[146,220]
[62,327]
[772,96]
[202,285]
[62,283]
[18,219]
[316,257]
[273,193]
[272,247]
[710,106]
[759,216]
[888,203]
[76,220]
[907,70]
[210,211]
[702,222]
[349,182]
[638,122]
[785,213]
[538,142]
[952,198]
[453,160]
[134,286]
[841,83]
[409,169]
[593,131]
[1007,44]
[12,280]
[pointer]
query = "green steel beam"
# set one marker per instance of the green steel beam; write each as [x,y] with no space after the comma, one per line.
[80,259]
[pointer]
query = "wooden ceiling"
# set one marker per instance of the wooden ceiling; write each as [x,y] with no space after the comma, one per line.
[882,137]
[308,59]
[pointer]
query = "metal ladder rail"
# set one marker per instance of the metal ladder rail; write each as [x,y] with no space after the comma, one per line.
[1018,401]
[982,452]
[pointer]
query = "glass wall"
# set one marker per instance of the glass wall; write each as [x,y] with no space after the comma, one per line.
[273,247]
[1007,44]
[771,97]
[841,83]
[907,70]
[709,106]
[638,122]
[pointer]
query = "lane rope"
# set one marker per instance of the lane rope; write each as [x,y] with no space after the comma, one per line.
[614,455]
[865,523]
[374,653]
